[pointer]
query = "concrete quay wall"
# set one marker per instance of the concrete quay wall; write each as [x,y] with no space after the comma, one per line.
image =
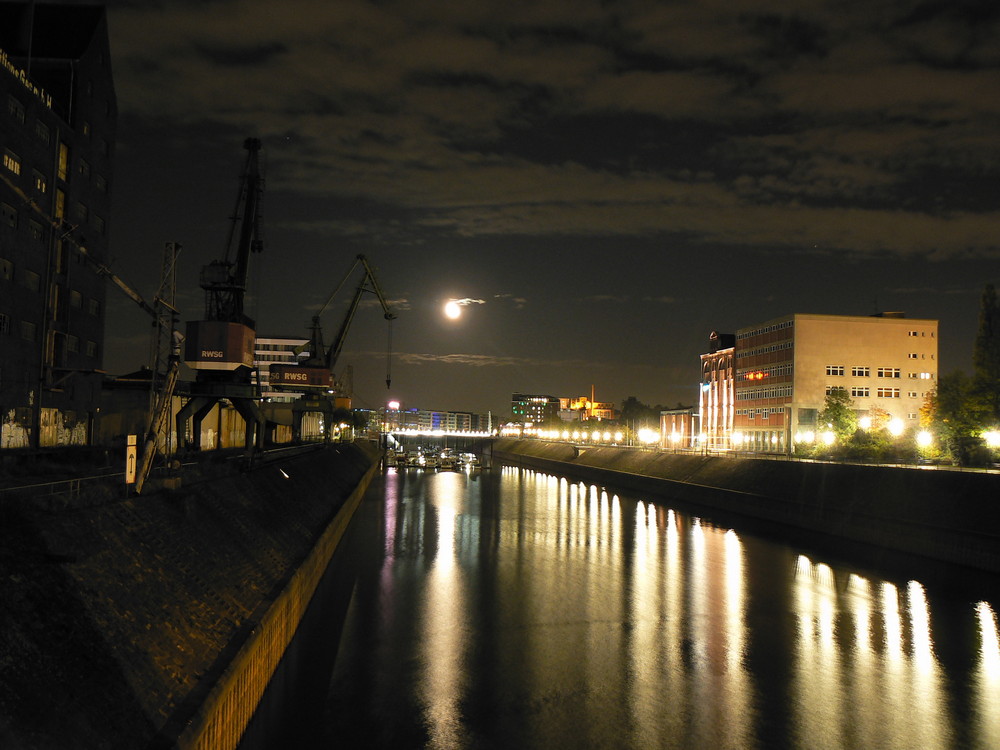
[156,621]
[942,515]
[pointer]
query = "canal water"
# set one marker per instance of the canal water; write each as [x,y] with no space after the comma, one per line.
[513,609]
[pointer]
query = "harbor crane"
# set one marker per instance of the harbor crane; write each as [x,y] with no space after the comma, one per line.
[220,347]
[314,376]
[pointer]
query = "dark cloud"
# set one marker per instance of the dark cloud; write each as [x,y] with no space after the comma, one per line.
[628,149]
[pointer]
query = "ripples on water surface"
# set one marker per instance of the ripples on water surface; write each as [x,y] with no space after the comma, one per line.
[516,609]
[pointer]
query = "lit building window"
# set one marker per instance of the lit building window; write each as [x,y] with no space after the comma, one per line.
[11,162]
[63,168]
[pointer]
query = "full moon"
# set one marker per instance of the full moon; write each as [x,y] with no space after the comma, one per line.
[452,309]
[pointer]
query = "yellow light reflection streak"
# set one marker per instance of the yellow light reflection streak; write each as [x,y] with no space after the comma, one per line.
[819,699]
[928,713]
[644,636]
[443,642]
[674,679]
[988,678]
[738,690]
[866,720]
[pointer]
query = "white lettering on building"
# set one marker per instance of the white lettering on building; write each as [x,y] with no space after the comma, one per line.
[5,62]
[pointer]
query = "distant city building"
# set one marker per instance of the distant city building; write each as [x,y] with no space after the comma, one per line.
[717,392]
[428,420]
[784,369]
[58,118]
[533,408]
[270,351]
[585,408]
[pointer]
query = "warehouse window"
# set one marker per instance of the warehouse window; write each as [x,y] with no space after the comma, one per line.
[11,161]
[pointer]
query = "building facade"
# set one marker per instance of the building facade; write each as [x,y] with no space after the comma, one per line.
[428,420]
[58,116]
[717,392]
[784,369]
[272,351]
[526,408]
[679,429]
[585,408]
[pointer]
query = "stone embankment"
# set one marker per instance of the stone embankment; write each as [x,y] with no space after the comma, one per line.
[156,621]
[948,516]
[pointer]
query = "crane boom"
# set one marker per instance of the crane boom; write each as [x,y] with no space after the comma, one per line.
[104,270]
[369,279]
[223,339]
[316,372]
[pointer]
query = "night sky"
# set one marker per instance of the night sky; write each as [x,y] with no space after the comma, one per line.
[604,183]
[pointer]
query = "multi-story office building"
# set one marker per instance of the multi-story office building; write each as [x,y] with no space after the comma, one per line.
[784,369]
[717,393]
[57,132]
[534,409]
[273,351]
[427,420]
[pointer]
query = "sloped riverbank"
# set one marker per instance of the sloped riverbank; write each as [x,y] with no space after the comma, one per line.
[157,620]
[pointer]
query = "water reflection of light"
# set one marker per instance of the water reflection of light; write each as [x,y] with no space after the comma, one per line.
[817,684]
[989,650]
[861,596]
[700,629]
[739,691]
[391,510]
[865,714]
[988,678]
[928,718]
[673,668]
[920,627]
[644,636]
[892,622]
[443,644]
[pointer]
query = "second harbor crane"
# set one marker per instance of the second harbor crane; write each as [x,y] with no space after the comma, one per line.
[314,376]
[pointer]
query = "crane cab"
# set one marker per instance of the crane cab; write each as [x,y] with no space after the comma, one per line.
[218,345]
[300,378]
